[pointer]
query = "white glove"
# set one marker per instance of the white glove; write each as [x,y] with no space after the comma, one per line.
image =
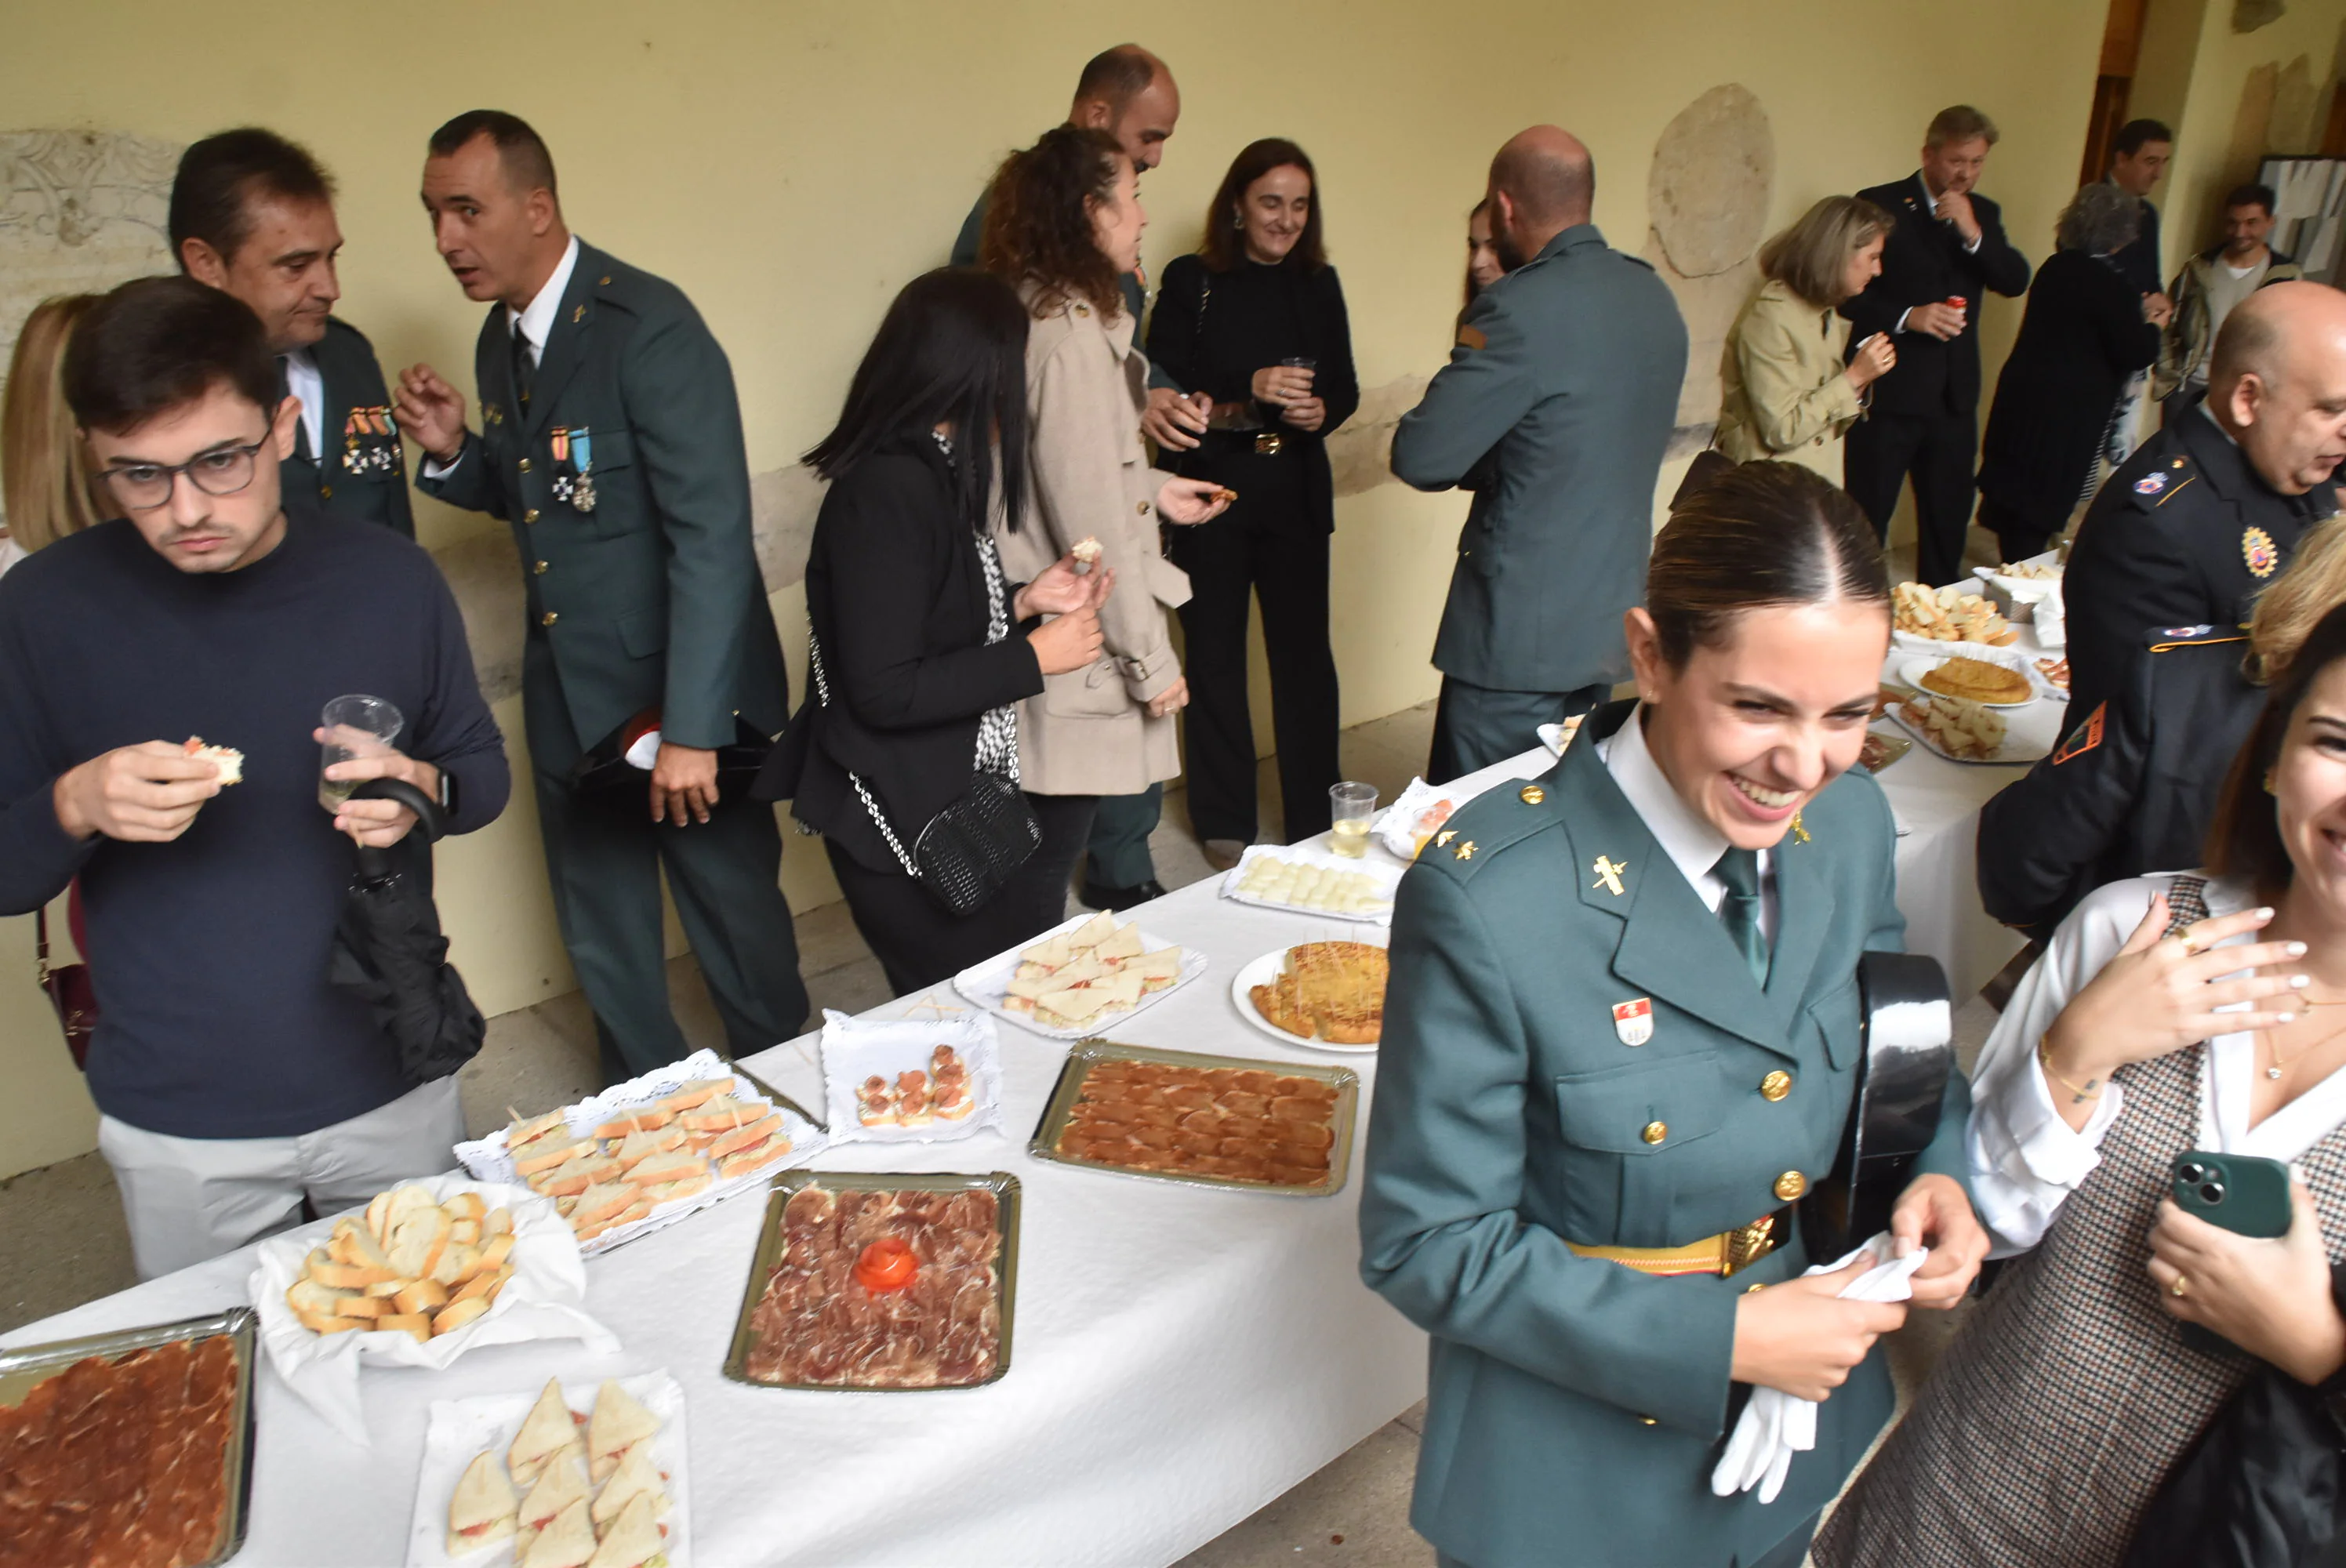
[1776,1425]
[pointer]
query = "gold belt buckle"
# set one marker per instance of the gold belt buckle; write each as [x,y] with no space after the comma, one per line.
[1267,444]
[1746,1245]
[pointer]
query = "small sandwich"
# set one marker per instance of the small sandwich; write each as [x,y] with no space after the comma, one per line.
[637,1476]
[913,1099]
[1123,945]
[573,1177]
[549,1432]
[484,1506]
[226,758]
[601,1205]
[665,1178]
[619,1420]
[1075,1009]
[723,1115]
[950,1103]
[522,1132]
[637,1147]
[567,1542]
[633,1538]
[1048,954]
[875,1103]
[1092,932]
[754,1157]
[748,1135]
[563,1482]
[650,1118]
[698,1092]
[1157,970]
[546,1154]
[1086,552]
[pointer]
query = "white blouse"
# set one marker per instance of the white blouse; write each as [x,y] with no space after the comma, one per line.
[2026,1160]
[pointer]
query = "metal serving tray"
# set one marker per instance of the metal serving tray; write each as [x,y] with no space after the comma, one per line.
[1088,1054]
[1000,1184]
[22,1371]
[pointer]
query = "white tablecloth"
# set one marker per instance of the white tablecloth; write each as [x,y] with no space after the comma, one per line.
[1182,1356]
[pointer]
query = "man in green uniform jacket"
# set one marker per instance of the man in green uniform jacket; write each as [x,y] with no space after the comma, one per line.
[253,215]
[1575,1053]
[611,441]
[1558,403]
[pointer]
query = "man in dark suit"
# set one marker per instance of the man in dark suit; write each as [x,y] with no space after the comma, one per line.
[253,215]
[611,441]
[1559,399]
[1948,248]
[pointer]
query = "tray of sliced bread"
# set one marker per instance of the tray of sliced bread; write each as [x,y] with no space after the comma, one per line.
[646,1152]
[1081,976]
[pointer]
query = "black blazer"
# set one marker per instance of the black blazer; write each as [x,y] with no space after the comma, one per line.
[1212,330]
[363,473]
[1923,263]
[2084,335]
[896,595]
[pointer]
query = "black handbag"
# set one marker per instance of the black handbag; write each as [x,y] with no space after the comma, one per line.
[969,849]
[389,951]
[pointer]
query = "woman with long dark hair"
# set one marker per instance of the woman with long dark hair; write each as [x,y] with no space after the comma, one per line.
[917,629]
[1063,226]
[2185,1011]
[1256,321]
[1621,1040]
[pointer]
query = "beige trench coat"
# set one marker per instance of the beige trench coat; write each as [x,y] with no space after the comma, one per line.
[1781,391]
[1089,733]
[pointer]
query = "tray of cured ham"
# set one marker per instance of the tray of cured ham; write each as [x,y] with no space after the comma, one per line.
[880,1282]
[130,1446]
[1230,1121]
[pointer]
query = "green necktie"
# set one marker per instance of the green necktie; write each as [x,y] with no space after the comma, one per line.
[1738,912]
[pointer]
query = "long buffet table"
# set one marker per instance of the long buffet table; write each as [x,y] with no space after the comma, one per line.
[1180,1357]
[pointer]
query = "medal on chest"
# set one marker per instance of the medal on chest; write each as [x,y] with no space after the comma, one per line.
[2259,551]
[369,442]
[574,461]
[1633,1020]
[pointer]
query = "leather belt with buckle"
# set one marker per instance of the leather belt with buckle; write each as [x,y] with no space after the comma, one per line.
[1267,444]
[1727,1254]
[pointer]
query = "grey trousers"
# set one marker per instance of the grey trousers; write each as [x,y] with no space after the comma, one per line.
[190,1199]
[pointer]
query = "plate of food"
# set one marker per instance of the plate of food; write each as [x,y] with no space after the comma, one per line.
[2004,680]
[1922,616]
[1230,1122]
[1081,974]
[1963,731]
[134,1446]
[644,1153]
[1315,881]
[565,1478]
[1330,995]
[1880,750]
[881,1283]
[910,1080]
[2054,673]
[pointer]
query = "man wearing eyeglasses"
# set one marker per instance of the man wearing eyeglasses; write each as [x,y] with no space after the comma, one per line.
[234,1081]
[253,214]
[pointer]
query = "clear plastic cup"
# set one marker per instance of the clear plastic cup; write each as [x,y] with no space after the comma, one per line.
[1353,808]
[355,726]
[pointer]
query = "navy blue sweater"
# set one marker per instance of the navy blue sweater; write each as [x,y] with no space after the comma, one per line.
[209,952]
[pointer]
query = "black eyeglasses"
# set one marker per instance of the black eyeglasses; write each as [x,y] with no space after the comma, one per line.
[223,471]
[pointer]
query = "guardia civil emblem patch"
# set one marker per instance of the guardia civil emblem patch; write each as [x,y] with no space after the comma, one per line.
[2257,548]
[2150,484]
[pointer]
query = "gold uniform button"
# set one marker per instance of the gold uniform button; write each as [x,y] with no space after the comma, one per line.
[548,618]
[1753,1289]
[524,465]
[1790,1185]
[538,568]
[1142,509]
[606,281]
[325,492]
[1656,1132]
[530,515]
[1532,794]
[1775,1085]
[1648,1422]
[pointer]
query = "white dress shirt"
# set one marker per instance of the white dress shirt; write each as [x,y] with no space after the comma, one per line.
[1689,841]
[2026,1160]
[1971,247]
[305,381]
[534,324]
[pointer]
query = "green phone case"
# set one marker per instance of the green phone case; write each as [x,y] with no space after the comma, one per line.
[2246,1193]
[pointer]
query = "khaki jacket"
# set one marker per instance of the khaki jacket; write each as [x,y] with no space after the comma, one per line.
[1781,391]
[1089,733]
[2183,347]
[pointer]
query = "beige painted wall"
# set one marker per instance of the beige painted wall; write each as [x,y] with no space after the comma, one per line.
[791,165]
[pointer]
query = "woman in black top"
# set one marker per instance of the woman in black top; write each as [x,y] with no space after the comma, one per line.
[2086,332]
[1256,321]
[922,656]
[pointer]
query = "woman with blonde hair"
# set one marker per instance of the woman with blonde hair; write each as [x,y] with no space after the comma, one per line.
[1784,391]
[45,490]
[2133,789]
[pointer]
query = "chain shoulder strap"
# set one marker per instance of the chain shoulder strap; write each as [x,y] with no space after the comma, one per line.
[879,818]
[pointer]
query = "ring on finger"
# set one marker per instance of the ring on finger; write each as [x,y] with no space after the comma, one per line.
[2182,1286]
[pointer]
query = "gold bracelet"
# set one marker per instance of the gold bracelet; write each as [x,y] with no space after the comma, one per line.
[2093,1089]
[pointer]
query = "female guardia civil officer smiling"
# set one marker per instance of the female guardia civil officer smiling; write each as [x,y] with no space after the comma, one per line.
[1620,1041]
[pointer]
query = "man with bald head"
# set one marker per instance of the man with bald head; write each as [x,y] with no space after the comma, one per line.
[1555,405]
[2208,509]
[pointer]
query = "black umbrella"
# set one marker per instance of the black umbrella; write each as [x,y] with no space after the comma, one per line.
[389,951]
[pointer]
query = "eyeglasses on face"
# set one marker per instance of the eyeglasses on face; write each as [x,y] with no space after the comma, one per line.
[222,471]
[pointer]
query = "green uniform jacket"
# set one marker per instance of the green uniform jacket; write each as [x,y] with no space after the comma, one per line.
[1558,400]
[1577,1407]
[363,473]
[653,599]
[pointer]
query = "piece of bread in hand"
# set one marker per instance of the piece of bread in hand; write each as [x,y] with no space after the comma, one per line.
[226,758]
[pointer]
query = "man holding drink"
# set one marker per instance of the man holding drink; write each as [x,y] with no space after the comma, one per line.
[234,1081]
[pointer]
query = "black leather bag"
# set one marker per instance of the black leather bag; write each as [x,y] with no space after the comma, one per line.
[389,951]
[969,849]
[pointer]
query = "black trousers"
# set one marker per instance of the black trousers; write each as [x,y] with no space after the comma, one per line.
[920,945]
[1282,558]
[2017,536]
[1939,452]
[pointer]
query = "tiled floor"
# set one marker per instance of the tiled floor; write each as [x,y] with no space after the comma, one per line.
[62,1240]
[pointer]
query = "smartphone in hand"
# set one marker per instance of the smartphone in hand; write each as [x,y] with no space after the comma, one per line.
[2245,1194]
